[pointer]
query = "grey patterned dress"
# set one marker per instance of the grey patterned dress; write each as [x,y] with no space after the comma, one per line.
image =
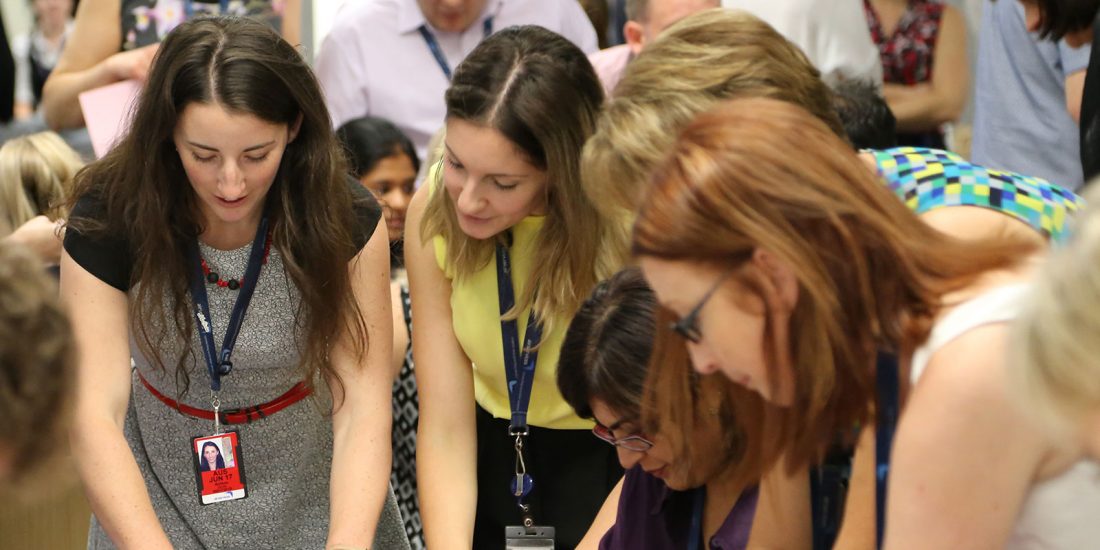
[287,456]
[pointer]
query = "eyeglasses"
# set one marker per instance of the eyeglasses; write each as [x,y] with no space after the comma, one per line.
[688,325]
[634,443]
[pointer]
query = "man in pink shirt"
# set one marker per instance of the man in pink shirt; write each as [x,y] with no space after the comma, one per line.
[645,19]
[393,58]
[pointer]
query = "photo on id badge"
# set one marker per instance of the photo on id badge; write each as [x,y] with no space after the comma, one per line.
[219,472]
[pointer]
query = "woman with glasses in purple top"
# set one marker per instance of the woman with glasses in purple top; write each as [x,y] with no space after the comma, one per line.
[664,500]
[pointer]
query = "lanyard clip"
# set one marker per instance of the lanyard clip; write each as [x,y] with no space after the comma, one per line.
[216,404]
[522,483]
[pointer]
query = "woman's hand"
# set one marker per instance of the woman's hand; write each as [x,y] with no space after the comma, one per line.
[132,65]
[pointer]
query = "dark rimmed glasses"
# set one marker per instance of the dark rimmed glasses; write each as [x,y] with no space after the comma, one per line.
[634,443]
[688,325]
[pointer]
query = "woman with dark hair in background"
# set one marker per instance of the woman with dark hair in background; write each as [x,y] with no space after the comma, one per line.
[384,160]
[230,182]
[502,248]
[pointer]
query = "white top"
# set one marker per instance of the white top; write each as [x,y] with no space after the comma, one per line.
[1061,513]
[375,61]
[832,33]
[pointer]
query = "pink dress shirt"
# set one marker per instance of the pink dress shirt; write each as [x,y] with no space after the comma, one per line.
[610,64]
[375,61]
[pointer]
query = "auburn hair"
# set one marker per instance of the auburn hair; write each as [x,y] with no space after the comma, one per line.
[870,274]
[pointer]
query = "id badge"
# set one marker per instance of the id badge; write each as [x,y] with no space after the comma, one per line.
[219,471]
[518,537]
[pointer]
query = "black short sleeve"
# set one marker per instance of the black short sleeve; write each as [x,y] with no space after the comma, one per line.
[367,213]
[106,257]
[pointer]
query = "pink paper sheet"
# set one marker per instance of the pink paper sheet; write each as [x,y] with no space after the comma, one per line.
[107,113]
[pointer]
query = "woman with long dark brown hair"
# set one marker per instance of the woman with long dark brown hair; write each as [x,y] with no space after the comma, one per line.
[226,211]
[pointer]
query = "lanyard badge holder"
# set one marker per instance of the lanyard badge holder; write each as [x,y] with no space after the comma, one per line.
[519,366]
[219,470]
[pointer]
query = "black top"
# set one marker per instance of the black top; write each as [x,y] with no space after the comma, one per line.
[1090,110]
[7,76]
[110,257]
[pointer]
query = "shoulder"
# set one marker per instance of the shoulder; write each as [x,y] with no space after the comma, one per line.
[107,256]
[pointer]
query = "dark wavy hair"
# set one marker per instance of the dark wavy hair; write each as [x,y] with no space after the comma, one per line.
[245,67]
[369,139]
[219,463]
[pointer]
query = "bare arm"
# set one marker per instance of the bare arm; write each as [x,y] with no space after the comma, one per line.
[926,106]
[361,424]
[964,455]
[41,236]
[782,520]
[858,530]
[446,449]
[91,59]
[1075,91]
[605,519]
[119,500]
[292,22]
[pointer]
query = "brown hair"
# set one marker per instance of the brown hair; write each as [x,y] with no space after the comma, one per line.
[704,58]
[870,274]
[245,67]
[36,371]
[541,93]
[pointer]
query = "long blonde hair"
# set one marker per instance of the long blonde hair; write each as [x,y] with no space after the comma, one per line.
[540,92]
[35,172]
[704,58]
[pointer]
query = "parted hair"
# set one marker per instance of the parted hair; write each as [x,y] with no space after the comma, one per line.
[539,91]
[1055,358]
[246,68]
[35,172]
[36,365]
[704,58]
[870,274]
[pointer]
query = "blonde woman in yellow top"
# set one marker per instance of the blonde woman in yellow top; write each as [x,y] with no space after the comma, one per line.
[502,231]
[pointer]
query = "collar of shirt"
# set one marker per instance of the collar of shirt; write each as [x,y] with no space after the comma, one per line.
[735,528]
[410,18]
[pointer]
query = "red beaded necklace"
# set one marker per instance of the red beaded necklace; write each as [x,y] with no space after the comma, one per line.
[212,277]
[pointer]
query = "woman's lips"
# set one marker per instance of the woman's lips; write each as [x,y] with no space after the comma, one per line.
[231,203]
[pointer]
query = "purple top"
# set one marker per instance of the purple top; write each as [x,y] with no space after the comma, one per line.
[654,517]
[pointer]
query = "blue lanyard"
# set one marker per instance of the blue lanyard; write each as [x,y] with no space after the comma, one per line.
[437,52]
[519,363]
[695,535]
[886,368]
[189,9]
[220,365]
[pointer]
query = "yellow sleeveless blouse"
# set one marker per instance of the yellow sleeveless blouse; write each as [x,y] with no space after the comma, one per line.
[476,319]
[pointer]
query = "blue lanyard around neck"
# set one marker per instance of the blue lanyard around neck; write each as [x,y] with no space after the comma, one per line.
[437,52]
[220,365]
[695,534]
[189,8]
[519,363]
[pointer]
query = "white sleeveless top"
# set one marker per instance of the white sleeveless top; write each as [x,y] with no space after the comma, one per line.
[1061,513]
